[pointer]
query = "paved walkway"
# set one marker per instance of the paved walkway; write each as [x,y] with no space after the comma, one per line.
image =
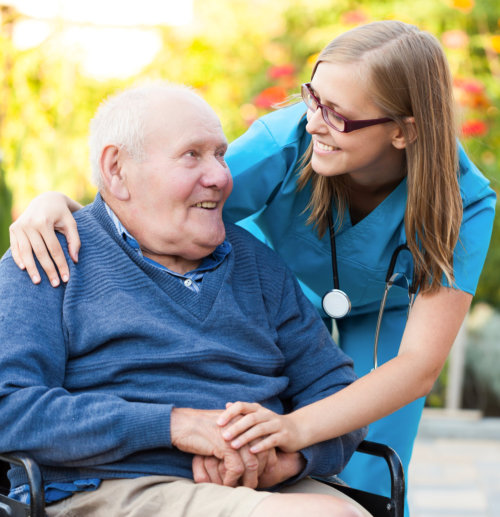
[455,470]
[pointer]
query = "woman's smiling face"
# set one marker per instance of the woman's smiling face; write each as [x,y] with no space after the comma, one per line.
[368,155]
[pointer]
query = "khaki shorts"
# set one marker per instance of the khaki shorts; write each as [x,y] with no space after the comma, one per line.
[169,496]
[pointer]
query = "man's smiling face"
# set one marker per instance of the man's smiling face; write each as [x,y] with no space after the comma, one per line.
[178,190]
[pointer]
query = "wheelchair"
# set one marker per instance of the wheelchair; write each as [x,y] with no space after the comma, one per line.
[377,505]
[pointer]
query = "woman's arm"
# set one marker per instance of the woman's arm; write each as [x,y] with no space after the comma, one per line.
[431,329]
[34,232]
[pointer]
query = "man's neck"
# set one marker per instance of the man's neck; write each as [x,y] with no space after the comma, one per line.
[176,264]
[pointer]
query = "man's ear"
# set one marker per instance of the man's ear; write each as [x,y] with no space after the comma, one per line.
[399,141]
[112,173]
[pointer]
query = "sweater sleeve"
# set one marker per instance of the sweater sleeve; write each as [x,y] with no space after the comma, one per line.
[39,415]
[316,367]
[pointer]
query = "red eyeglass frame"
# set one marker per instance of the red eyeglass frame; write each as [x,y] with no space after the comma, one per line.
[349,125]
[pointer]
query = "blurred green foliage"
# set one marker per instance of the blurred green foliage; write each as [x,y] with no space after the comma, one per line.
[242,56]
[481,388]
[5,210]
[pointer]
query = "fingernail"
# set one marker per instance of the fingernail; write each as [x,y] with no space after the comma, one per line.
[35,279]
[235,443]
[22,266]
[65,278]
[54,282]
[226,435]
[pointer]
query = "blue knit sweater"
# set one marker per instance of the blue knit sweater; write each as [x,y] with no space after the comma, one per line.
[90,371]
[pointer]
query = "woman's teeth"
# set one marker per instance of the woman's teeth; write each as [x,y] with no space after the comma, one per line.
[325,147]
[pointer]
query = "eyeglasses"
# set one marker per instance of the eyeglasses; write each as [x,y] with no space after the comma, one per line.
[332,118]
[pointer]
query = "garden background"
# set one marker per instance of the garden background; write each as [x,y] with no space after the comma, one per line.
[243,56]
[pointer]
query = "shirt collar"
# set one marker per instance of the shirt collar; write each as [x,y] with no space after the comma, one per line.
[208,263]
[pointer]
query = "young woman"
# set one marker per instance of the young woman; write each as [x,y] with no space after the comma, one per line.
[373,150]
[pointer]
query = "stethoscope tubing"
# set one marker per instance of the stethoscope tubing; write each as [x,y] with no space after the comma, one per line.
[336,303]
[333,248]
[336,298]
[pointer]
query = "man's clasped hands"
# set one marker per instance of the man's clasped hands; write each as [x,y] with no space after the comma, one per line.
[227,449]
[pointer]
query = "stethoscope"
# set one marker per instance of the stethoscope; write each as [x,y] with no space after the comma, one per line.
[336,303]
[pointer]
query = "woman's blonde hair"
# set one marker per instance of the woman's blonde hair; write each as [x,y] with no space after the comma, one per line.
[408,76]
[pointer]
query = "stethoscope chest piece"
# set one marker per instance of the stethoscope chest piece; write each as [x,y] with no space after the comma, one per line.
[336,303]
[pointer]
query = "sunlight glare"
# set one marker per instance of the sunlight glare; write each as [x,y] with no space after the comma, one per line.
[112,38]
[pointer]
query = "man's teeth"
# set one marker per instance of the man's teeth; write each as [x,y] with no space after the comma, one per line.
[206,204]
[325,147]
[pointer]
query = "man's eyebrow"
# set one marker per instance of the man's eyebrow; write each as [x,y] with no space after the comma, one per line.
[202,142]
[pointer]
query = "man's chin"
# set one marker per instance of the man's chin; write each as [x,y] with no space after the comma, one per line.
[205,247]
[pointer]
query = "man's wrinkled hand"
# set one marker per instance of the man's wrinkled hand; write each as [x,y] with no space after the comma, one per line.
[208,469]
[286,466]
[196,431]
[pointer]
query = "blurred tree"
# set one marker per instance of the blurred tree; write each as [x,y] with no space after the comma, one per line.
[242,62]
[7,19]
[5,211]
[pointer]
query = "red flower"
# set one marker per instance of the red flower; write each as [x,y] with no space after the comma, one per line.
[270,96]
[474,127]
[275,72]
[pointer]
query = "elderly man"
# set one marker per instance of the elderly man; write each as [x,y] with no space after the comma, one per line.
[114,381]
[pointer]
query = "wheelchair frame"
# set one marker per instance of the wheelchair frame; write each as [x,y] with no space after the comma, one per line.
[377,505]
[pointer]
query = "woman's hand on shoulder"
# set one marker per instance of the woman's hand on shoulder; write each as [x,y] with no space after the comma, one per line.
[33,233]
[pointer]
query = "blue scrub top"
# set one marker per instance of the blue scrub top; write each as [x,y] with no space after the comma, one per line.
[265,200]
[265,162]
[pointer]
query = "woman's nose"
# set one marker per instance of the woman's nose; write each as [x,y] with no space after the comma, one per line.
[315,121]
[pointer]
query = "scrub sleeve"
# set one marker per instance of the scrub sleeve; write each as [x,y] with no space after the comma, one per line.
[265,163]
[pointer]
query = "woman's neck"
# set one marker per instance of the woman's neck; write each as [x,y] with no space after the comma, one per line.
[364,198]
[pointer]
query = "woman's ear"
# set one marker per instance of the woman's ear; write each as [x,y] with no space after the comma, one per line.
[112,173]
[399,140]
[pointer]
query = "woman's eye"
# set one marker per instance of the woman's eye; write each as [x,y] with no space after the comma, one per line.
[335,117]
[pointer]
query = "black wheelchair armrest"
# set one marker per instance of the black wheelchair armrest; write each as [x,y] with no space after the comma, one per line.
[36,508]
[378,505]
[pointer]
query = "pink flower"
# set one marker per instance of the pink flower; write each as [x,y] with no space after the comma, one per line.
[474,127]
[470,93]
[469,85]
[356,17]
[277,71]
[455,39]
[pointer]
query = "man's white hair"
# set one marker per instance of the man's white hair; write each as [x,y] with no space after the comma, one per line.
[120,120]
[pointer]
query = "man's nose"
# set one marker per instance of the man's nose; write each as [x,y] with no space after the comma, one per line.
[216,174]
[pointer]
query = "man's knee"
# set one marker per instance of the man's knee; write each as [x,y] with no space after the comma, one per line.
[297,505]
